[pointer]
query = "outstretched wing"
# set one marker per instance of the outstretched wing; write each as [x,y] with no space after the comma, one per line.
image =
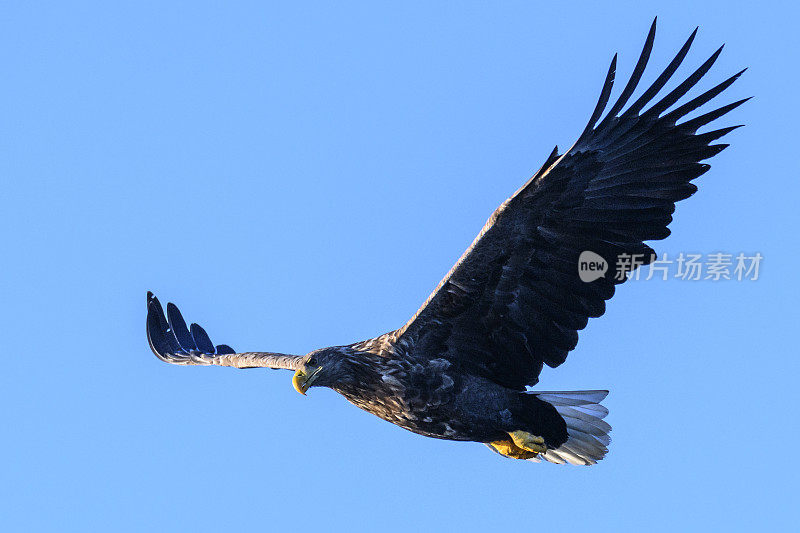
[514,301]
[173,342]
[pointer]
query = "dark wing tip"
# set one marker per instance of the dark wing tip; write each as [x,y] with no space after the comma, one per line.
[698,101]
[159,334]
[697,122]
[686,85]
[179,329]
[663,78]
[201,339]
[170,339]
[605,94]
[633,81]
[224,349]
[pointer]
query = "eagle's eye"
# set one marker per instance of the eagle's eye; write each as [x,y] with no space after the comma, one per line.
[312,361]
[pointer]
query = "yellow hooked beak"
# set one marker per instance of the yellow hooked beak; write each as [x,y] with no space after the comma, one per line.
[302,380]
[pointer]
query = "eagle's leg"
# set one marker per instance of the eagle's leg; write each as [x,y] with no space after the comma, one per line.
[529,442]
[509,449]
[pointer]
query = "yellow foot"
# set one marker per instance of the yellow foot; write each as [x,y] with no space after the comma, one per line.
[526,441]
[509,449]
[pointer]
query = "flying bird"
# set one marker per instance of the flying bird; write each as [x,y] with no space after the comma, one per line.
[461,367]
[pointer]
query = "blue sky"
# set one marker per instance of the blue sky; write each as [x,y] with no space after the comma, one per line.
[297,176]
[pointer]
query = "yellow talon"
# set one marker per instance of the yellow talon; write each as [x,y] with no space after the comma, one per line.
[509,449]
[526,441]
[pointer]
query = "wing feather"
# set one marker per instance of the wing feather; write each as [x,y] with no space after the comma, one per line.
[514,301]
[172,342]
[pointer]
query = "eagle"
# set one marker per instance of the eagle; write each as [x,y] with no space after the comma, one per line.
[463,366]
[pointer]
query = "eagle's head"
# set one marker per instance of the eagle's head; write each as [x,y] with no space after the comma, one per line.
[327,367]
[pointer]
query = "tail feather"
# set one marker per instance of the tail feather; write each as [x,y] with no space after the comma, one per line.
[588,433]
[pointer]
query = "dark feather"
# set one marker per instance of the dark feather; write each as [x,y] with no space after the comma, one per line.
[201,339]
[196,348]
[178,327]
[514,300]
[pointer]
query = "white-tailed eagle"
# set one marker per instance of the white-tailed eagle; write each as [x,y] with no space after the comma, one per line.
[460,367]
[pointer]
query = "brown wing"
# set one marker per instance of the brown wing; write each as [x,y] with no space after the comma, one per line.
[514,301]
[174,343]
